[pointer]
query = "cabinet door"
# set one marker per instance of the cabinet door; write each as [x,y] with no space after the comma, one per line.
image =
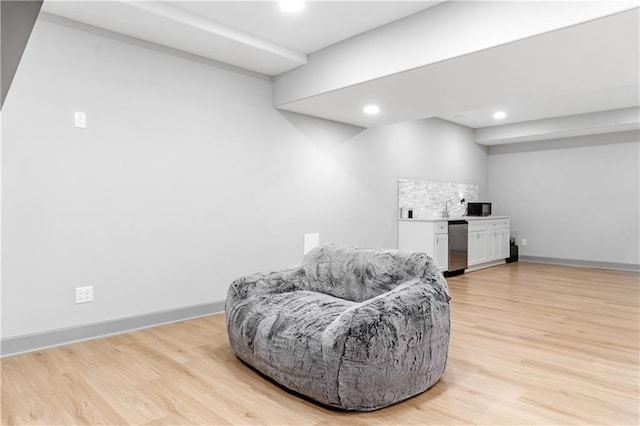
[495,249]
[472,248]
[490,239]
[504,244]
[482,248]
[442,251]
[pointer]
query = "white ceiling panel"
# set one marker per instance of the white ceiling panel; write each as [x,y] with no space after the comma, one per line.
[318,25]
[165,24]
[254,35]
[584,68]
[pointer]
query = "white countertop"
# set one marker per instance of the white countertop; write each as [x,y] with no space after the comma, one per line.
[442,219]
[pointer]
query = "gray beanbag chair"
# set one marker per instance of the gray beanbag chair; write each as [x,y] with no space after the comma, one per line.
[357,329]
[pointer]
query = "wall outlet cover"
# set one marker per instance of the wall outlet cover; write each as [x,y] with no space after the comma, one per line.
[80,119]
[84,294]
[311,241]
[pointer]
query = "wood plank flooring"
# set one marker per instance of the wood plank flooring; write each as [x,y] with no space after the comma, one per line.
[530,344]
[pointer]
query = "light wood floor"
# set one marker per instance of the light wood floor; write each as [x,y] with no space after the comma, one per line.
[530,344]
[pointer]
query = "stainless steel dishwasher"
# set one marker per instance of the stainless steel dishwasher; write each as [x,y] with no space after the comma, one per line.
[458,245]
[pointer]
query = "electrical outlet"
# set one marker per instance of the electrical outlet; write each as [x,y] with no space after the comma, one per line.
[84,294]
[310,242]
[524,242]
[80,119]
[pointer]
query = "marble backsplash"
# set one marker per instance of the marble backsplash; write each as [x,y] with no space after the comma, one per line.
[427,198]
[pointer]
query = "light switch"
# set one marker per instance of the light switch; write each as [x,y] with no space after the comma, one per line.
[80,119]
[310,242]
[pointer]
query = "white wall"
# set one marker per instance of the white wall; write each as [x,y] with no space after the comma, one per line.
[575,198]
[184,179]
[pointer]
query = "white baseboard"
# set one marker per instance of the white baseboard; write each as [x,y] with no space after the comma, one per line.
[585,263]
[64,336]
[485,265]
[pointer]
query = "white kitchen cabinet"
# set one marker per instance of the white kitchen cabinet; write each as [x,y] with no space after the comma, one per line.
[498,244]
[430,237]
[488,240]
[494,245]
[472,248]
[442,251]
[504,244]
[483,252]
[477,247]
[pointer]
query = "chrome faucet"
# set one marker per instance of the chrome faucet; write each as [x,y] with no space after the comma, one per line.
[445,212]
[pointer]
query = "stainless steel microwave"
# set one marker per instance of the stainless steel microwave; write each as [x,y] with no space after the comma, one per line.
[478,209]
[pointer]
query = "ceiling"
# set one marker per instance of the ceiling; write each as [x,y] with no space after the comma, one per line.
[580,69]
[318,25]
[584,68]
[254,35]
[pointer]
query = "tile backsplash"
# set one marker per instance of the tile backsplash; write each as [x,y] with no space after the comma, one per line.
[427,197]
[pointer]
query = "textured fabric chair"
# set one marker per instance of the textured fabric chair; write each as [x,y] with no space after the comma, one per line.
[353,328]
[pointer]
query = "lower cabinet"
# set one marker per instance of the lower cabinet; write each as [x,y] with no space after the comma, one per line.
[430,237]
[488,241]
[442,251]
[504,244]
[477,247]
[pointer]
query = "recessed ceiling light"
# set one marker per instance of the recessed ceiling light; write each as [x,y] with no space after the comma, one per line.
[371,109]
[458,117]
[292,6]
[499,115]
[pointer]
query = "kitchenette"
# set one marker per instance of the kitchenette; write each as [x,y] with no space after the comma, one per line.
[487,240]
[446,221]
